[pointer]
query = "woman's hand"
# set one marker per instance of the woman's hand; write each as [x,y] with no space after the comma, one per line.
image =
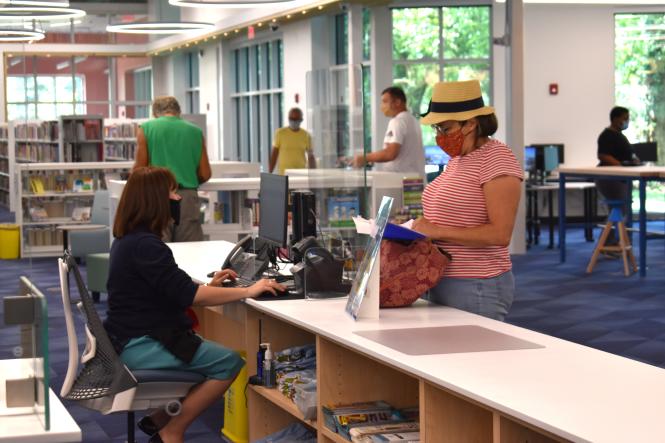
[428,229]
[264,285]
[221,276]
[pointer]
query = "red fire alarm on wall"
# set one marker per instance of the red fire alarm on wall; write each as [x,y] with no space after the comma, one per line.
[554,88]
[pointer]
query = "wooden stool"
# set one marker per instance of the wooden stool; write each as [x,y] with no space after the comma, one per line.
[624,246]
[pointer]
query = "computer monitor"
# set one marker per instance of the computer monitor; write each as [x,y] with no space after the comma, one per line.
[530,159]
[434,155]
[546,165]
[647,152]
[273,207]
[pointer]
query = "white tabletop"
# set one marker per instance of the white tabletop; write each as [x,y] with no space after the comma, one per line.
[552,186]
[625,171]
[573,391]
[21,425]
[578,393]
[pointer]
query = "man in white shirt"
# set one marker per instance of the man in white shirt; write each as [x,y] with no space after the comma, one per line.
[403,143]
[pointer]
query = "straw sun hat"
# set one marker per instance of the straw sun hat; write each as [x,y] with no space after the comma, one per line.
[458,101]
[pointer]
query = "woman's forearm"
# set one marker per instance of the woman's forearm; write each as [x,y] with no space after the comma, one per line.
[480,236]
[213,295]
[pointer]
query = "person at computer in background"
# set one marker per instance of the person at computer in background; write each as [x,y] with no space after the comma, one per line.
[176,144]
[148,295]
[470,208]
[403,143]
[614,149]
[292,146]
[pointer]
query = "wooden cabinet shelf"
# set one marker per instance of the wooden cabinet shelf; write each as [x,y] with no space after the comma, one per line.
[276,397]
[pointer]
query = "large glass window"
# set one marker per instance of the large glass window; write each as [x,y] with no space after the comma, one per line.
[44,97]
[192,74]
[433,44]
[639,79]
[142,91]
[257,99]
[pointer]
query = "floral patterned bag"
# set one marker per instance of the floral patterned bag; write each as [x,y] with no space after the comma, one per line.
[408,270]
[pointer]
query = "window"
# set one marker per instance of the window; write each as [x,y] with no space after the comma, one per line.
[257,99]
[192,90]
[341,39]
[142,91]
[367,78]
[639,79]
[433,44]
[44,97]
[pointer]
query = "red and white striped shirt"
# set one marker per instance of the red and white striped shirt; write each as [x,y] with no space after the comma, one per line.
[456,199]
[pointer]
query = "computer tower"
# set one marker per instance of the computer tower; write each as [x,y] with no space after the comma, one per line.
[303,215]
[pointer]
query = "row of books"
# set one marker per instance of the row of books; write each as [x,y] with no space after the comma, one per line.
[4,197]
[48,236]
[412,196]
[83,153]
[4,183]
[4,132]
[36,152]
[41,210]
[4,148]
[120,151]
[373,422]
[72,182]
[82,130]
[46,130]
[4,165]
[121,130]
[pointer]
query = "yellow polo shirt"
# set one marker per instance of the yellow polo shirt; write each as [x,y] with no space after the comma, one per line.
[292,147]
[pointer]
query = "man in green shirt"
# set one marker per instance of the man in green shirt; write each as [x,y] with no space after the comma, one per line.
[171,142]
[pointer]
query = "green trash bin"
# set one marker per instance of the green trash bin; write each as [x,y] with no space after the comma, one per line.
[10,242]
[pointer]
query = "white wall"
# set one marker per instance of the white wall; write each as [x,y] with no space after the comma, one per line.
[572,45]
[297,40]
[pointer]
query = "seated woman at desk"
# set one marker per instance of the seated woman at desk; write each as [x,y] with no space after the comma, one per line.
[148,296]
[470,208]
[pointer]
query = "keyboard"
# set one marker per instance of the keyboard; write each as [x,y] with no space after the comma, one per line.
[239,282]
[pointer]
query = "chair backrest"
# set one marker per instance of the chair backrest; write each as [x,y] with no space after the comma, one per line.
[100,213]
[103,373]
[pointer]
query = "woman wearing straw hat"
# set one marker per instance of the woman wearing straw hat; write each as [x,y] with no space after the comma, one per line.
[470,208]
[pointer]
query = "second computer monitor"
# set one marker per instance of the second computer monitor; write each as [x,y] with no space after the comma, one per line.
[273,207]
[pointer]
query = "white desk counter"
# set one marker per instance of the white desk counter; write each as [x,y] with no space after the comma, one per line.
[21,425]
[571,391]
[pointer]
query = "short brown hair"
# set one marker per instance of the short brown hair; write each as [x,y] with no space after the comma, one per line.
[165,105]
[487,125]
[145,201]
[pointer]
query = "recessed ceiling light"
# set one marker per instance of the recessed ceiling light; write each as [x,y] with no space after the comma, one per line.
[159,27]
[225,3]
[19,35]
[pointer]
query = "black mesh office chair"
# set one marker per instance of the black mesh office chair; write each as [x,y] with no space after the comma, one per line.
[103,382]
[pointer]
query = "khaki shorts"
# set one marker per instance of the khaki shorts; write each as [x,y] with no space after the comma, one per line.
[189,228]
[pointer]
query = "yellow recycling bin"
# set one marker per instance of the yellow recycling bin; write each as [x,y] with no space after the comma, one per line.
[9,241]
[236,423]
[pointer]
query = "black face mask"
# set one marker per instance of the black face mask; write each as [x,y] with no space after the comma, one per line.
[174,206]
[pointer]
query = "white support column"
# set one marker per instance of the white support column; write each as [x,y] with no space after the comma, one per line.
[515,108]
[382,70]
[355,34]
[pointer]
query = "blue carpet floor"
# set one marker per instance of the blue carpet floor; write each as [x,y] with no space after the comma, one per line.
[604,310]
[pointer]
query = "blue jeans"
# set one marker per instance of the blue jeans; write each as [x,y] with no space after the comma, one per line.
[489,297]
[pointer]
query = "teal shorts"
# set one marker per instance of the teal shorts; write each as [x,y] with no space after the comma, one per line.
[211,359]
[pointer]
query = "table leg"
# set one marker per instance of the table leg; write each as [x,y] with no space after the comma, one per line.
[562,217]
[550,215]
[529,219]
[643,227]
[588,229]
[536,219]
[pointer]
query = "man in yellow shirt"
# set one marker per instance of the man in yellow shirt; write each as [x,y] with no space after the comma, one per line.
[292,146]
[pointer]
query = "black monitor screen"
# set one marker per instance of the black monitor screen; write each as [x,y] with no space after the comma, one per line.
[273,207]
[548,156]
[647,152]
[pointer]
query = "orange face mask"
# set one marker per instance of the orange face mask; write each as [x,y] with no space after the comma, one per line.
[451,143]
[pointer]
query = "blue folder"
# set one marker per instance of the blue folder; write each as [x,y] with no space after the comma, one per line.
[397,232]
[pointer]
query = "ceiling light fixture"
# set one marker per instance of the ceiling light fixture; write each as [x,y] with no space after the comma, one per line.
[39,13]
[19,35]
[225,3]
[159,27]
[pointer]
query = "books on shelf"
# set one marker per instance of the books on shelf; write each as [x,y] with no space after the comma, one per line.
[36,152]
[121,130]
[77,130]
[45,130]
[119,151]
[4,133]
[342,209]
[56,181]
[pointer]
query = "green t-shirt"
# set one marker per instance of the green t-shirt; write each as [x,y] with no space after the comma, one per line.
[175,144]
